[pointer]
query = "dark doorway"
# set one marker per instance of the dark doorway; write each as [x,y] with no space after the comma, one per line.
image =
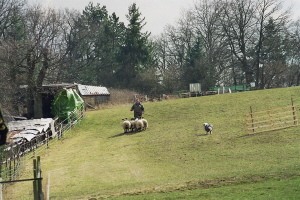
[47,103]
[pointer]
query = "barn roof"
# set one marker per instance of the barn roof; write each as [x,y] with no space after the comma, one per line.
[86,90]
[29,129]
[38,124]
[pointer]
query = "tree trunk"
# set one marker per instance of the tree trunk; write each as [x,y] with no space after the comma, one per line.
[38,105]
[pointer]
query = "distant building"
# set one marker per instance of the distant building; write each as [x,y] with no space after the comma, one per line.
[93,95]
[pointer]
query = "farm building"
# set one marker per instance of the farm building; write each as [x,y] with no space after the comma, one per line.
[93,95]
[48,93]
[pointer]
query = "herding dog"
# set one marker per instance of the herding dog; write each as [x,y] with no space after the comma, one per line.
[208,128]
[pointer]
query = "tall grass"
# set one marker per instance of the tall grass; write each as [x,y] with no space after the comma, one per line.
[118,97]
[97,160]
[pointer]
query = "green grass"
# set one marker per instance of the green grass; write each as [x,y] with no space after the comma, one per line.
[273,189]
[174,158]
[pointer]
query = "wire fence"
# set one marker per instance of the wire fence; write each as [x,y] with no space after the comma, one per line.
[14,156]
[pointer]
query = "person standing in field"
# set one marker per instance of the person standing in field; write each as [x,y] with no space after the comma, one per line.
[137,108]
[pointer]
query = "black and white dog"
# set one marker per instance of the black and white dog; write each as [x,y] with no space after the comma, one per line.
[208,128]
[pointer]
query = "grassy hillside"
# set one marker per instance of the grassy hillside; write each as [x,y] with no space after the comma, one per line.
[96,160]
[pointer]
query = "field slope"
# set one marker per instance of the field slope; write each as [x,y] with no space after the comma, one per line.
[174,158]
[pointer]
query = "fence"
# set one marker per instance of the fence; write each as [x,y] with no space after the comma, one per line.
[234,88]
[13,156]
[258,122]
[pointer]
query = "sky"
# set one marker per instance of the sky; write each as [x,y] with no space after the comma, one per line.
[158,13]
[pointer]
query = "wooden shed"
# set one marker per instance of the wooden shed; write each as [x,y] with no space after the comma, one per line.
[93,95]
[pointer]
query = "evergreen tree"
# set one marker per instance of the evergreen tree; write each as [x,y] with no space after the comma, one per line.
[273,54]
[193,71]
[135,53]
[94,43]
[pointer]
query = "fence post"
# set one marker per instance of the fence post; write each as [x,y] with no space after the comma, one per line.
[10,170]
[35,192]
[251,114]
[41,195]
[47,139]
[37,184]
[14,169]
[0,189]
[271,119]
[48,188]
[294,112]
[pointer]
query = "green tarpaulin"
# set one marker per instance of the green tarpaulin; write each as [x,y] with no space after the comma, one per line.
[68,105]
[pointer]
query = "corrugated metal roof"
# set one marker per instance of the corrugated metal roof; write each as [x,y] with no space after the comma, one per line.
[30,128]
[37,124]
[27,136]
[92,90]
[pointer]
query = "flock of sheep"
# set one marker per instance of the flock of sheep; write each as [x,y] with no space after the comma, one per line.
[140,124]
[134,124]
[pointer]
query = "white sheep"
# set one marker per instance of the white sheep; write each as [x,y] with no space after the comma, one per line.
[139,125]
[145,122]
[133,124]
[126,125]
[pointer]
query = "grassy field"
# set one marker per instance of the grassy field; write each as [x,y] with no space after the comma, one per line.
[174,158]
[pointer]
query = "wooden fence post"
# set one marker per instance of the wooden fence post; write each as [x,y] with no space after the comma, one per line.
[10,170]
[35,191]
[294,113]
[271,119]
[48,188]
[37,184]
[0,189]
[251,114]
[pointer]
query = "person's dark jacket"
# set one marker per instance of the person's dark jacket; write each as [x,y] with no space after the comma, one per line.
[138,109]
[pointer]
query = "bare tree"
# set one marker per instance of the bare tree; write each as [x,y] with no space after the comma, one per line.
[244,23]
[207,24]
[9,14]
[238,25]
[161,53]
[169,57]
[266,10]
[32,56]
[293,74]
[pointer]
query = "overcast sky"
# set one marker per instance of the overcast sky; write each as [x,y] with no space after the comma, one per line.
[157,13]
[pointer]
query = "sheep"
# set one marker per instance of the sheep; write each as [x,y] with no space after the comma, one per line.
[133,124]
[139,125]
[126,125]
[145,122]
[208,128]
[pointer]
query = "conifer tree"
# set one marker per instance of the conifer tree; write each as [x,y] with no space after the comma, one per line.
[134,55]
